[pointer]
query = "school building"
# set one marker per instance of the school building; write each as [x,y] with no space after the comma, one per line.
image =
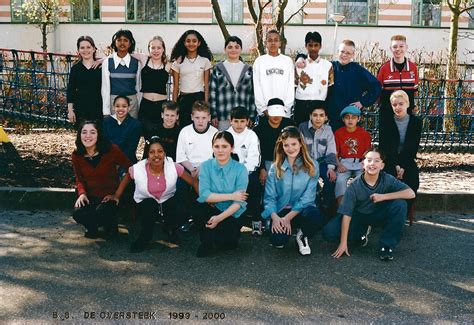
[424,22]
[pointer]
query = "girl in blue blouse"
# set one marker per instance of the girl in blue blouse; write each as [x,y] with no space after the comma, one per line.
[290,192]
[222,185]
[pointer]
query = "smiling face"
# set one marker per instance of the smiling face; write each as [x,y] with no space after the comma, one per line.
[345,54]
[170,117]
[86,50]
[318,118]
[399,106]
[201,120]
[313,49]
[156,49]
[191,43]
[121,108]
[373,163]
[156,155]
[291,147]
[398,49]
[123,45]
[350,121]
[89,136]
[222,150]
[233,51]
[273,44]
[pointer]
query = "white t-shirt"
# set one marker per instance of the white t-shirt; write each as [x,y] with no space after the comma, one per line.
[234,69]
[193,146]
[313,80]
[274,77]
[191,73]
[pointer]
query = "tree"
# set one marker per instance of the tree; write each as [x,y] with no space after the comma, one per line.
[457,7]
[257,9]
[45,14]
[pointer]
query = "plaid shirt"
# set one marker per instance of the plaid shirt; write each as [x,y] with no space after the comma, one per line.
[223,97]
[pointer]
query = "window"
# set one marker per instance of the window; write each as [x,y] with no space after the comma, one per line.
[85,10]
[232,11]
[15,5]
[359,12]
[426,13]
[161,11]
[291,7]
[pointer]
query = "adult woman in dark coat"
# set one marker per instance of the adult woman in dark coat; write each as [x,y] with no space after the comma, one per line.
[399,141]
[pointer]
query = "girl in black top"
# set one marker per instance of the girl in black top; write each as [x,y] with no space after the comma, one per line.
[85,79]
[155,75]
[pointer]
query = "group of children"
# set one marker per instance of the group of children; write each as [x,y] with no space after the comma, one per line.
[242,140]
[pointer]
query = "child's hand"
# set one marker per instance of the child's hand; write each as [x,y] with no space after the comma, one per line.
[278,225]
[240,196]
[81,201]
[213,222]
[300,63]
[358,105]
[341,250]
[341,168]
[263,176]
[376,198]
[331,175]
[400,172]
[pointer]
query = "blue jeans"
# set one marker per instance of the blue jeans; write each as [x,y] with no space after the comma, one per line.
[309,220]
[391,215]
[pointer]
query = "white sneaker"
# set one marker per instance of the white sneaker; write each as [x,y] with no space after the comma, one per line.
[302,243]
[257,228]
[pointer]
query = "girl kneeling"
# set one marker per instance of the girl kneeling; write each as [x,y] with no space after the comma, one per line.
[222,185]
[290,192]
[155,185]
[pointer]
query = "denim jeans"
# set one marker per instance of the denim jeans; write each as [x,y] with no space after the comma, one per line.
[309,220]
[391,215]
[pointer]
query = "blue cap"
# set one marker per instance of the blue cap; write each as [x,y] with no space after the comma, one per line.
[351,109]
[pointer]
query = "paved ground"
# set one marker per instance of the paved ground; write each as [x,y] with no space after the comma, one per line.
[48,270]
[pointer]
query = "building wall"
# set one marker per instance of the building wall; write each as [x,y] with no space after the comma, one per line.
[393,18]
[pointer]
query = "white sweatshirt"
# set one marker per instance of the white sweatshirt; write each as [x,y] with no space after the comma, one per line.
[274,77]
[193,146]
[247,147]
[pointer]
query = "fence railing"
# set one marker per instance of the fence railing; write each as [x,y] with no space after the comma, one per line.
[33,89]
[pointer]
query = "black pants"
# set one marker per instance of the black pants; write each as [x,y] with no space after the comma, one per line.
[302,110]
[225,235]
[150,116]
[149,211]
[254,201]
[185,103]
[97,214]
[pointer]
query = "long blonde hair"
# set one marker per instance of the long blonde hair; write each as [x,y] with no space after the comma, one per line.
[280,156]
[164,60]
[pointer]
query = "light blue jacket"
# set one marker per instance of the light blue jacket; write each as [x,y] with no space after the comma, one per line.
[214,178]
[295,189]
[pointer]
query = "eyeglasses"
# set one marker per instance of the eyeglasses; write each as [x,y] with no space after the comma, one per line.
[152,139]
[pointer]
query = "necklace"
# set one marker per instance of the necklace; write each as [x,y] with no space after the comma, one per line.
[156,67]
[192,60]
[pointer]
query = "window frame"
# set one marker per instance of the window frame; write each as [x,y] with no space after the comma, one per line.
[91,13]
[345,23]
[135,7]
[419,4]
[232,22]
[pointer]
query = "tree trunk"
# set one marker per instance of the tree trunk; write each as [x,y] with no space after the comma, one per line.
[451,71]
[44,32]
[219,19]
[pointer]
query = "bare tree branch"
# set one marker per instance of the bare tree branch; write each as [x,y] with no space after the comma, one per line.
[220,19]
[296,12]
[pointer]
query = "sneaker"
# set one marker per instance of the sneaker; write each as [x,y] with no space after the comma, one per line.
[386,254]
[257,228]
[364,240]
[302,243]
[278,246]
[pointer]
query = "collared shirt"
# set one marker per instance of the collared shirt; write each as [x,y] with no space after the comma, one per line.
[320,143]
[214,178]
[296,189]
[123,61]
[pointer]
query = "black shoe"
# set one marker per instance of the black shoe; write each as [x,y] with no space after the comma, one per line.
[204,251]
[364,240]
[173,237]
[92,234]
[386,254]
[137,246]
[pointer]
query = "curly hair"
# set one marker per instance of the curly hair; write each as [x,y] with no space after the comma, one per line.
[280,156]
[179,50]
[127,34]
[103,144]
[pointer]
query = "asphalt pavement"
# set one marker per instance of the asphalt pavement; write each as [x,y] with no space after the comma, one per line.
[50,272]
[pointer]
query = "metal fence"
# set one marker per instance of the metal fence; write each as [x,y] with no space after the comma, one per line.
[33,89]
